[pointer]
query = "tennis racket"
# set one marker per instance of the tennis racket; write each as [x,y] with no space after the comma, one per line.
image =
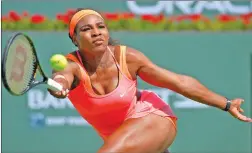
[20,65]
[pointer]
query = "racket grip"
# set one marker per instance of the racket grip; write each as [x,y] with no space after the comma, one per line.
[53,85]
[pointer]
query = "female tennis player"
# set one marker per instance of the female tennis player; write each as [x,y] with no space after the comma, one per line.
[101,80]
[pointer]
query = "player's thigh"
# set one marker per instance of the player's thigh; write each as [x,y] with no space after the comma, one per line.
[151,133]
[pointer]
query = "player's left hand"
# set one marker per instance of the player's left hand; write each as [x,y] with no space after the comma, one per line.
[236,110]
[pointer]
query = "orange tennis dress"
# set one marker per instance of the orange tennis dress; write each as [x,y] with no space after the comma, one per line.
[107,112]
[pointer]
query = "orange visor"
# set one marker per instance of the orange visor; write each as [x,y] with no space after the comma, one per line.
[78,16]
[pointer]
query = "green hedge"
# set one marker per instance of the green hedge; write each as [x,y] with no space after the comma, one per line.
[131,22]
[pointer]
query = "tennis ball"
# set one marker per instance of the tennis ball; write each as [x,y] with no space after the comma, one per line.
[58,62]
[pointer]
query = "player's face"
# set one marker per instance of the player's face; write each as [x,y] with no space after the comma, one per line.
[92,34]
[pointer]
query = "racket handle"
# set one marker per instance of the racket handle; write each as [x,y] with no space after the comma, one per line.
[53,85]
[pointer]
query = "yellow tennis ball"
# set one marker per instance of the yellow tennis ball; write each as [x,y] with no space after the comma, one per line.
[58,62]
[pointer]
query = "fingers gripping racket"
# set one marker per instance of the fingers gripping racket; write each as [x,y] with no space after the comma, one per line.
[20,65]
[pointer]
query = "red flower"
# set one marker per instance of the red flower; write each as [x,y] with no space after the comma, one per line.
[70,12]
[63,17]
[111,16]
[182,17]
[25,14]
[66,19]
[226,18]
[246,18]
[198,17]
[206,19]
[161,16]
[59,16]
[155,20]
[152,18]
[36,19]
[246,22]
[14,16]
[171,18]
[147,17]
[4,18]
[128,15]
[195,17]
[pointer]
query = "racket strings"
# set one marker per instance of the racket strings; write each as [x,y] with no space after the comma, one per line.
[20,65]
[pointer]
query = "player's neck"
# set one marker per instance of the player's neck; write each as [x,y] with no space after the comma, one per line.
[92,62]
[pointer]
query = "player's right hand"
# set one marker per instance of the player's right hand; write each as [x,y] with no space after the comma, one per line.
[62,81]
[59,94]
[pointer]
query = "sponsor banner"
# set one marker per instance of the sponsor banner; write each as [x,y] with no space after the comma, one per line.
[190,7]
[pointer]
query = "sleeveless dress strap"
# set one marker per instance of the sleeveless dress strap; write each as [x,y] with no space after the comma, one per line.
[123,62]
[78,60]
[72,58]
[117,64]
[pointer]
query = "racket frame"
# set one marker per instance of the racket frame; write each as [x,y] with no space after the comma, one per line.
[32,81]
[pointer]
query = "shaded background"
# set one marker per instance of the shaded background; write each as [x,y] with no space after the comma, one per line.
[39,123]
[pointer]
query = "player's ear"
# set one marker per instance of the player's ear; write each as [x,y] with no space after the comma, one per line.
[73,39]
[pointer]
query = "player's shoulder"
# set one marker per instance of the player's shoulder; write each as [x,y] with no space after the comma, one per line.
[72,58]
[71,53]
[129,50]
[132,53]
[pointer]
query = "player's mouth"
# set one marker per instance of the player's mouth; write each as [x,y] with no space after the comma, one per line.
[98,41]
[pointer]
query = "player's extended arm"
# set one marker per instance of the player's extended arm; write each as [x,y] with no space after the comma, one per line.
[182,84]
[65,78]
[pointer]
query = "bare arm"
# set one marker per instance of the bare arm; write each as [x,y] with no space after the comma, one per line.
[187,86]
